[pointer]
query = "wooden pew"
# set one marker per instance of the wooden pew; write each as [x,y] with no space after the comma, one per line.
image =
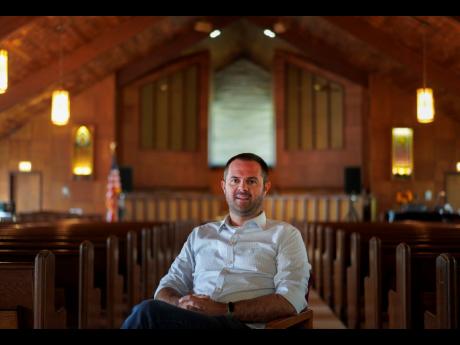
[134,286]
[415,284]
[64,247]
[27,292]
[66,238]
[148,266]
[91,313]
[353,282]
[318,259]
[447,311]
[65,269]
[350,267]
[340,262]
[116,304]
[383,272]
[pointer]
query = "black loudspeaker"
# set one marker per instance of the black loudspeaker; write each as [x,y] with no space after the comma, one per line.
[352,180]
[126,176]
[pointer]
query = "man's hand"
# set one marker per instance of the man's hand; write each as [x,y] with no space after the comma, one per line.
[202,304]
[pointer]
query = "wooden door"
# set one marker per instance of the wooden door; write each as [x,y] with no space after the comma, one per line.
[26,191]
[453,190]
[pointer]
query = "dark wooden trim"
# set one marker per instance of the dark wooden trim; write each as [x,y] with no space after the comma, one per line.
[38,81]
[317,51]
[10,24]
[387,45]
[163,54]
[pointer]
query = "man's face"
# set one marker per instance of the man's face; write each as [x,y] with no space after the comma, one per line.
[244,188]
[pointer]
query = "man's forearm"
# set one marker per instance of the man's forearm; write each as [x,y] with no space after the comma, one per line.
[168,295]
[263,309]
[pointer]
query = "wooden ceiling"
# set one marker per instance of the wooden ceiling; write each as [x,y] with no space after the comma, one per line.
[94,47]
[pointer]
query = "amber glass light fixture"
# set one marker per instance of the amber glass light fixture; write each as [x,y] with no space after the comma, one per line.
[60,107]
[60,103]
[3,70]
[425,100]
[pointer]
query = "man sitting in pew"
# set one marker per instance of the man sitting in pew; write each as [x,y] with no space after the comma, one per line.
[237,273]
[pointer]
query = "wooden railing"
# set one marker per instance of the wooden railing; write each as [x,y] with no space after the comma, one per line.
[310,207]
[172,207]
[204,207]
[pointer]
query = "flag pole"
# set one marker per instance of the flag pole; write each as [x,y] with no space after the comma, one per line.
[113,187]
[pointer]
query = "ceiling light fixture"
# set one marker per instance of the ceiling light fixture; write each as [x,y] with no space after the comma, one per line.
[269,33]
[3,70]
[60,104]
[425,100]
[215,33]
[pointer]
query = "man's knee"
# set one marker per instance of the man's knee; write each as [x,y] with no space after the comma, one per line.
[146,306]
[152,307]
[145,314]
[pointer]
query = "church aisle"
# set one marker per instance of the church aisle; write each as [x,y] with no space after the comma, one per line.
[323,316]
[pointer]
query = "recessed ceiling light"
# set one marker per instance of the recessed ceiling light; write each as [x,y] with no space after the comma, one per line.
[214,33]
[269,33]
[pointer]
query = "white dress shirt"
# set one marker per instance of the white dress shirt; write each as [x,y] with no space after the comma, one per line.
[230,264]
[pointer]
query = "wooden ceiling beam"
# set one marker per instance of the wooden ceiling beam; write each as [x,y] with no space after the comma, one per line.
[456,19]
[316,50]
[9,24]
[168,51]
[389,46]
[40,80]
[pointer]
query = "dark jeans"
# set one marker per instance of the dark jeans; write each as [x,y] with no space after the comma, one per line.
[151,314]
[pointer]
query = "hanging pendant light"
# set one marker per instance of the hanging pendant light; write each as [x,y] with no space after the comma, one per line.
[425,100]
[3,70]
[60,107]
[60,103]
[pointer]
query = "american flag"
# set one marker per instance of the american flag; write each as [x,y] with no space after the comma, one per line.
[113,189]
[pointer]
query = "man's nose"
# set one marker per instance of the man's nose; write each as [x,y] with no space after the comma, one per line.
[243,185]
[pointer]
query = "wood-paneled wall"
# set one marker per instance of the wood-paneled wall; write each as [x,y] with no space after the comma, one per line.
[368,118]
[165,167]
[436,145]
[313,110]
[321,168]
[49,148]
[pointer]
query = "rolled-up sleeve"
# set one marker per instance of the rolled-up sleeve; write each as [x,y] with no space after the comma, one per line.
[180,274]
[293,269]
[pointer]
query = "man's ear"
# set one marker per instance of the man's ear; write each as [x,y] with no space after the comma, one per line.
[267,186]
[222,184]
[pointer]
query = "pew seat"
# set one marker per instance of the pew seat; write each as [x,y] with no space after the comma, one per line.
[9,319]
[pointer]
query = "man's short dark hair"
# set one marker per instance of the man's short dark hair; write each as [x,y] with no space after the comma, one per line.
[249,157]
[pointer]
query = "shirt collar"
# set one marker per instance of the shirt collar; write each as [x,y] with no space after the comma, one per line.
[258,221]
